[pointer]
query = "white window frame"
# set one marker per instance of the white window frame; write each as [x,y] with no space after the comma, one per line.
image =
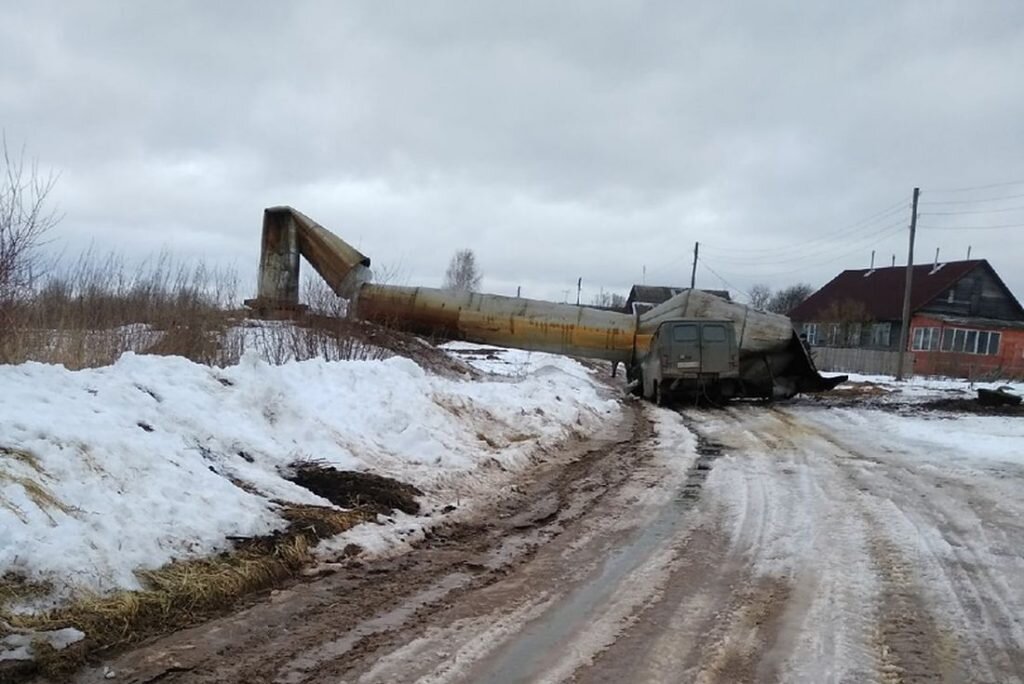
[962,335]
[881,335]
[926,338]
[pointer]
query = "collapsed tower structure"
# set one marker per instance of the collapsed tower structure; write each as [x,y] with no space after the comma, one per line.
[773,362]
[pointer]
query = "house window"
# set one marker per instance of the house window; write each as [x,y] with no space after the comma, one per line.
[963,341]
[853,335]
[926,339]
[811,333]
[881,334]
[834,335]
[947,340]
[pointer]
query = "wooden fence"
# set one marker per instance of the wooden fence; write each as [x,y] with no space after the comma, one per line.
[866,361]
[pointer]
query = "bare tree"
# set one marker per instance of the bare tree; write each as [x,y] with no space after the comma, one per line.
[608,300]
[25,218]
[760,296]
[463,274]
[788,298]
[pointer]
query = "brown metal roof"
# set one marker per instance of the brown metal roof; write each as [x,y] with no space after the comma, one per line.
[656,294]
[880,290]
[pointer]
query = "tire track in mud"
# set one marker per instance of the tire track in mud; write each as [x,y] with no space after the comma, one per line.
[985,631]
[911,647]
[734,644]
[714,621]
[903,633]
[911,643]
[646,556]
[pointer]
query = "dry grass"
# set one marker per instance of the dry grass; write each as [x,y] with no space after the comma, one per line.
[10,460]
[182,593]
[89,314]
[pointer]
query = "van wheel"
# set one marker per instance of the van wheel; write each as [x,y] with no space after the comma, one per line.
[638,388]
[659,397]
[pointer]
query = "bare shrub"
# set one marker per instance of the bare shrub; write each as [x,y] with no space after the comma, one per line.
[25,219]
[96,308]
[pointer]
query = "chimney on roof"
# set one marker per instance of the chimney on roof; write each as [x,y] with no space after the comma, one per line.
[968,252]
[935,266]
[894,261]
[872,260]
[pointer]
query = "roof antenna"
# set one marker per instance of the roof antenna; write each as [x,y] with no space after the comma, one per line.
[894,261]
[872,260]
[935,266]
[968,252]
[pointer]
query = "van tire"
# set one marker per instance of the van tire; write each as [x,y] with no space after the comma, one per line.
[659,397]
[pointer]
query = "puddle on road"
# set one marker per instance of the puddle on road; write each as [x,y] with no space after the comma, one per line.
[524,658]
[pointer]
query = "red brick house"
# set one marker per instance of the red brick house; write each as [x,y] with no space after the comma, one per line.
[964,320]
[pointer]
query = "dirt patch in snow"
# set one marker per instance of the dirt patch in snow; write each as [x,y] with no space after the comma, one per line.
[854,390]
[972,406]
[356,490]
[176,596]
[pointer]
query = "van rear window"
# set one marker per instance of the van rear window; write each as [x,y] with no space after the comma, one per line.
[684,333]
[714,333]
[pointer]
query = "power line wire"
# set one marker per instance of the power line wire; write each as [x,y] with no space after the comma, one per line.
[970,211]
[977,187]
[844,231]
[723,280]
[799,269]
[988,227]
[973,201]
[823,250]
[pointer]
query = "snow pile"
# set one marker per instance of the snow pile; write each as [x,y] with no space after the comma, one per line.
[109,470]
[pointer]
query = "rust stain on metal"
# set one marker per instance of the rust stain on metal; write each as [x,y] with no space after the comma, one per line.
[505,321]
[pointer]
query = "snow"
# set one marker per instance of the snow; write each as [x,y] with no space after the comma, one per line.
[858,507]
[920,388]
[110,470]
[18,646]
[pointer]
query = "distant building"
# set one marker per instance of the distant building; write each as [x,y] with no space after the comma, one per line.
[644,297]
[964,320]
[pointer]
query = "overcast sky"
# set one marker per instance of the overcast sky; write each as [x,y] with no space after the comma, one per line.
[558,140]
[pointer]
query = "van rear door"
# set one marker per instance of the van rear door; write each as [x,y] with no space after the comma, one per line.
[715,348]
[685,348]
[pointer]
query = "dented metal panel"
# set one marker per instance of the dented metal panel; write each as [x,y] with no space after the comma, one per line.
[505,321]
[756,331]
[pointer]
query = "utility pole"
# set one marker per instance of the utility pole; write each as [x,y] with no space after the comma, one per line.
[905,325]
[579,289]
[693,273]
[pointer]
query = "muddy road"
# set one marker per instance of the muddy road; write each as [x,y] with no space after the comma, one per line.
[752,544]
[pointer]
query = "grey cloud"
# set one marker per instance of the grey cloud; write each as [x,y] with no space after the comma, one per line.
[556,139]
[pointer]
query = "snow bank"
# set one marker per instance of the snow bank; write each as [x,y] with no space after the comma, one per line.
[109,470]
